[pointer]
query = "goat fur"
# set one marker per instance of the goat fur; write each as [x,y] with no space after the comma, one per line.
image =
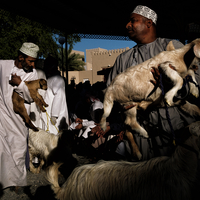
[158,178]
[40,144]
[50,148]
[133,86]
[18,102]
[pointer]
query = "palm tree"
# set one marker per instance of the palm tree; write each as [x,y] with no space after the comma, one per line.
[75,61]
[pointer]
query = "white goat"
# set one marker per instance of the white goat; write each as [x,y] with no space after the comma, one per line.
[133,86]
[159,178]
[40,144]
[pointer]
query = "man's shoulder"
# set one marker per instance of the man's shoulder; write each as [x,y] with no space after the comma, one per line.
[165,41]
[127,52]
[56,78]
[6,62]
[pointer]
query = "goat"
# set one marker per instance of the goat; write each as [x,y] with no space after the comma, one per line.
[18,102]
[40,144]
[172,177]
[133,86]
[50,148]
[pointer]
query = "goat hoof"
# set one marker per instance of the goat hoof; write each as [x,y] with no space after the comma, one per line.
[168,103]
[35,129]
[139,155]
[144,135]
[195,95]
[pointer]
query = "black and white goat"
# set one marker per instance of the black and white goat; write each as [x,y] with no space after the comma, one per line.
[40,144]
[51,148]
[158,178]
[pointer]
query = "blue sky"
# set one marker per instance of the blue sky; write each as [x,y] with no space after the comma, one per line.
[104,44]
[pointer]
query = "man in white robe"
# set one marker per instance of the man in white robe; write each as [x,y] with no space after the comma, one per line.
[35,112]
[56,117]
[142,29]
[13,132]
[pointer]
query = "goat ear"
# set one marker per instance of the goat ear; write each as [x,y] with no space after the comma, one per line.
[170,46]
[197,50]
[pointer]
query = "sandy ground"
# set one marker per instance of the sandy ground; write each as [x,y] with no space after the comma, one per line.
[38,188]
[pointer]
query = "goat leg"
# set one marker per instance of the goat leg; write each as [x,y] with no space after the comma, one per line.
[39,103]
[175,78]
[191,109]
[19,108]
[42,100]
[132,122]
[135,149]
[193,88]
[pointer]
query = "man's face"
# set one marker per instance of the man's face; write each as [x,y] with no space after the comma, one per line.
[136,27]
[28,64]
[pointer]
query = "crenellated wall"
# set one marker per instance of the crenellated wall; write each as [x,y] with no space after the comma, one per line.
[104,59]
[96,60]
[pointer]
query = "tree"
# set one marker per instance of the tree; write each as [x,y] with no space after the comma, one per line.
[15,30]
[75,61]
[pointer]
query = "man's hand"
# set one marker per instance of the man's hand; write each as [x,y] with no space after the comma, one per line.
[156,75]
[98,131]
[120,136]
[79,121]
[15,80]
[53,120]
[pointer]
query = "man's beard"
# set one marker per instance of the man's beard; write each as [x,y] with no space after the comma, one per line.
[26,68]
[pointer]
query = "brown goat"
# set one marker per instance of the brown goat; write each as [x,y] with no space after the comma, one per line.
[18,102]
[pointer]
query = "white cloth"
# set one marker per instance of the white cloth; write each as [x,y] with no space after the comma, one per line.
[96,104]
[88,125]
[56,99]
[146,12]
[36,113]
[13,132]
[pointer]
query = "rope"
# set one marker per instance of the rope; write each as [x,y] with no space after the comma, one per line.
[51,122]
[167,112]
[187,79]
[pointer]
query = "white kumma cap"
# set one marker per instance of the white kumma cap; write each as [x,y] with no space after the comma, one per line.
[146,12]
[29,49]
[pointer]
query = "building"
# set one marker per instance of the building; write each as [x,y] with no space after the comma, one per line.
[97,60]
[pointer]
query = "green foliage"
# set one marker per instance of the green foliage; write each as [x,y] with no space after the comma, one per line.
[75,61]
[15,30]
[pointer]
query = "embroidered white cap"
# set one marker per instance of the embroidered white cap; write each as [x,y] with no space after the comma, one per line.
[29,49]
[146,12]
